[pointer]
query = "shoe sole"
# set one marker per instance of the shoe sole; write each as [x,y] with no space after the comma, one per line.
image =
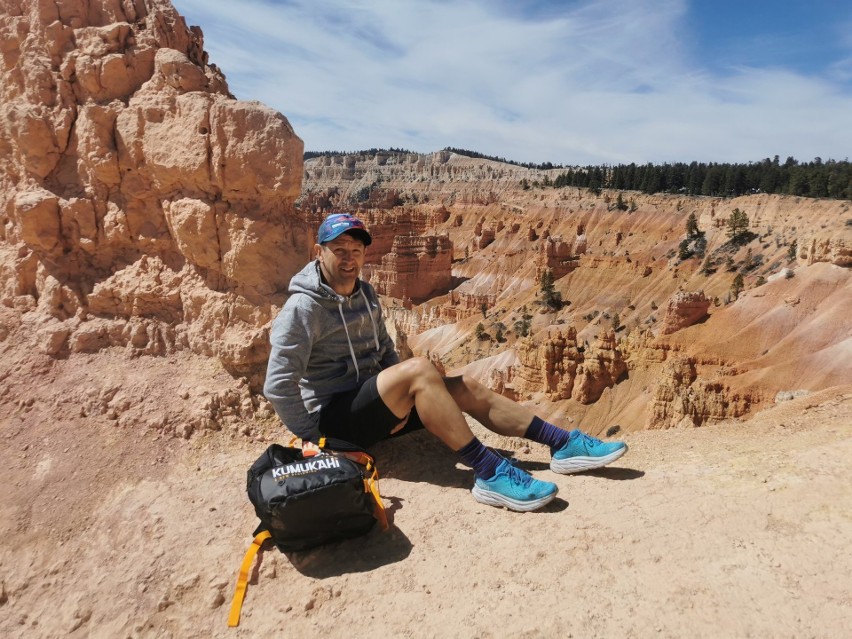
[495,499]
[571,465]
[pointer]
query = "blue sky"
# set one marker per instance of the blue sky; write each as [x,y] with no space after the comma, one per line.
[571,82]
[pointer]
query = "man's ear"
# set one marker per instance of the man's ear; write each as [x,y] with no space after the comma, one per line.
[317,250]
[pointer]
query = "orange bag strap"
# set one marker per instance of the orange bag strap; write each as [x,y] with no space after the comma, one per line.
[371,486]
[242,580]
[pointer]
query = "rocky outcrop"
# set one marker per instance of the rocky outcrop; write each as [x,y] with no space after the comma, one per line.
[683,400]
[558,367]
[603,368]
[558,256]
[400,339]
[416,177]
[141,204]
[836,250]
[416,268]
[642,349]
[684,309]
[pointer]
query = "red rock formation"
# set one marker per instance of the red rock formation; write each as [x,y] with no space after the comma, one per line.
[642,348]
[556,366]
[684,309]
[143,206]
[683,399]
[558,256]
[836,250]
[416,268]
[601,369]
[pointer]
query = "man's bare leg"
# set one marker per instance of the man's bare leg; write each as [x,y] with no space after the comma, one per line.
[497,413]
[445,401]
[417,383]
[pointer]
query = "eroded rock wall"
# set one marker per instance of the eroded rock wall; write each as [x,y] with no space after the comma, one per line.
[416,268]
[141,205]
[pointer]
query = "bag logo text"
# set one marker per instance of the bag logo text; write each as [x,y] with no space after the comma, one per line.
[305,467]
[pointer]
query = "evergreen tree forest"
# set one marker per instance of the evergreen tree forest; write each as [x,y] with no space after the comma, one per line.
[830,179]
[818,178]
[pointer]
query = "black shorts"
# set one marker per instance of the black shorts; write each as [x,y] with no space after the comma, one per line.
[361,417]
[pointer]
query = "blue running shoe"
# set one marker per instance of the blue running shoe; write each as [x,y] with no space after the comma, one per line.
[584,452]
[514,489]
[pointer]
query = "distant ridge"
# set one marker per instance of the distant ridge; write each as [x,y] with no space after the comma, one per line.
[465,152]
[319,154]
[817,179]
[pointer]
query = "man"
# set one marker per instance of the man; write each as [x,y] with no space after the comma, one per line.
[333,371]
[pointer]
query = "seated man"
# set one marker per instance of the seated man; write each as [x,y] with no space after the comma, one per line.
[334,371]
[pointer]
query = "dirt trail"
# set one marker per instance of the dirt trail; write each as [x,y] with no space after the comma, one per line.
[736,530]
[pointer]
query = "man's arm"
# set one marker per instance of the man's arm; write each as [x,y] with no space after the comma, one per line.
[291,340]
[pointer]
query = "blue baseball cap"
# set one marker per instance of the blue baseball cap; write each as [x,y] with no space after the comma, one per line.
[337,224]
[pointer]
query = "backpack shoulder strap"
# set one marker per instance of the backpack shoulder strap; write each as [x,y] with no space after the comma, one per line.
[242,580]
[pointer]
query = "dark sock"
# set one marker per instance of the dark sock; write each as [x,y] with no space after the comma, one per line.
[483,460]
[546,433]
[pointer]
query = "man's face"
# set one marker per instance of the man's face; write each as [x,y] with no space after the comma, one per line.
[341,260]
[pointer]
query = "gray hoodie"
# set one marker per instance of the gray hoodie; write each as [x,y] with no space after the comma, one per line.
[322,344]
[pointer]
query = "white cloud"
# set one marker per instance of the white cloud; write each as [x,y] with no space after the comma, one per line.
[607,81]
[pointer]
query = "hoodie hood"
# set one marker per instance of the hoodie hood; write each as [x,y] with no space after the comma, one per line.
[323,344]
[309,282]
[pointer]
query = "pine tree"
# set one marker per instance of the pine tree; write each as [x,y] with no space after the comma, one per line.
[480,332]
[737,225]
[548,293]
[737,285]
[791,252]
[691,226]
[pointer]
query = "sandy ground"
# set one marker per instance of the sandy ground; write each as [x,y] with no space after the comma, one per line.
[735,530]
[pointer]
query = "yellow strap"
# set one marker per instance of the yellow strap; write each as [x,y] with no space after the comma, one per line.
[242,580]
[358,457]
[379,511]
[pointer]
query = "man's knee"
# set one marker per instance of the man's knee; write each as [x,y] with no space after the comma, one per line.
[407,378]
[420,371]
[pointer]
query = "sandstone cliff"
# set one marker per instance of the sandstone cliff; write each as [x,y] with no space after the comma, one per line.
[142,206]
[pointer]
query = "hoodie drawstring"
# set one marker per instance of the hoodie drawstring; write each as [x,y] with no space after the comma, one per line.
[349,339]
[372,319]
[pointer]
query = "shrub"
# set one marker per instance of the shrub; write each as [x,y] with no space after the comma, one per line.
[791,252]
[737,286]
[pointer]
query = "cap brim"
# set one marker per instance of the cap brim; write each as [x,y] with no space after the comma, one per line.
[360,234]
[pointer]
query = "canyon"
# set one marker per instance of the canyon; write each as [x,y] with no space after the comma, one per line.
[643,335]
[149,225]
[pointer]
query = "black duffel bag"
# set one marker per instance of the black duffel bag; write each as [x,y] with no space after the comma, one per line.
[309,496]
[304,501]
